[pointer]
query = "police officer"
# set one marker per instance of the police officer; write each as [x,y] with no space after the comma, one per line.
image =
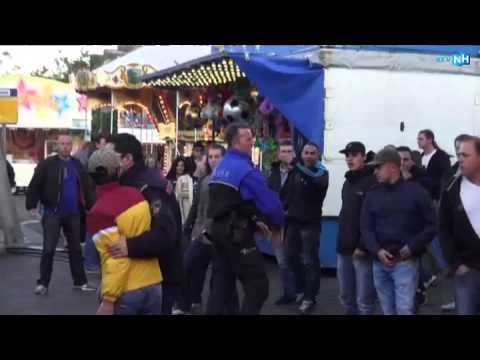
[240,204]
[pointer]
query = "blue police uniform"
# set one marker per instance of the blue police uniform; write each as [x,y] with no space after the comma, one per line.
[239,196]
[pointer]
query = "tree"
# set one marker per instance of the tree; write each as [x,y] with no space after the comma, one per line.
[64,67]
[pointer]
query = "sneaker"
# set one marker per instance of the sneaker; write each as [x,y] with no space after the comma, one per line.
[178,312]
[286,300]
[449,307]
[299,298]
[41,290]
[92,271]
[85,287]
[306,307]
[420,297]
[431,282]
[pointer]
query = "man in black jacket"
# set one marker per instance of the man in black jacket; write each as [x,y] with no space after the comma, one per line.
[61,184]
[278,177]
[306,189]
[354,265]
[164,238]
[459,227]
[434,160]
[454,171]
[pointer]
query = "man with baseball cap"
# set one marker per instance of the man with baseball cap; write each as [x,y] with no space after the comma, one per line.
[354,264]
[397,222]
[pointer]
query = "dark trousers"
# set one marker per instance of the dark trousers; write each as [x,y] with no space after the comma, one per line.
[196,260]
[303,243]
[52,224]
[242,261]
[467,292]
[171,294]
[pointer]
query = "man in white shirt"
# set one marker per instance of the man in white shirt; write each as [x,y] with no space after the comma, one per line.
[459,225]
[435,161]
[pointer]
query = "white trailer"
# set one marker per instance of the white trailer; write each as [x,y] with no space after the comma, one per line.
[382,98]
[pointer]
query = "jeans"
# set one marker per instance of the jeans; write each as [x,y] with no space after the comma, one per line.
[51,232]
[303,242]
[286,275]
[396,286]
[144,301]
[355,282]
[438,254]
[196,260]
[467,292]
[92,257]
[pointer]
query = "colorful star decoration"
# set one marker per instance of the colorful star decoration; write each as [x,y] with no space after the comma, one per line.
[82,103]
[62,101]
[24,94]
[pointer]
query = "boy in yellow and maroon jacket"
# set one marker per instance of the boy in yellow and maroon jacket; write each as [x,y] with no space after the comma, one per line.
[130,286]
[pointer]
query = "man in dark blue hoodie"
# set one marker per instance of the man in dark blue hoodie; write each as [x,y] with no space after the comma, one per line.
[306,188]
[354,265]
[397,223]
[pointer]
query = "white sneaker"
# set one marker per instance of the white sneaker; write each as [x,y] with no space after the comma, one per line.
[449,307]
[85,287]
[41,290]
[430,282]
[306,307]
[178,312]
[299,298]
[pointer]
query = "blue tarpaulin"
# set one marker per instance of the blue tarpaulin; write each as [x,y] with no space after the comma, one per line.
[295,87]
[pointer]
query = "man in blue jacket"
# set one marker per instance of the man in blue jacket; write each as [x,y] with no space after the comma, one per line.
[240,203]
[397,223]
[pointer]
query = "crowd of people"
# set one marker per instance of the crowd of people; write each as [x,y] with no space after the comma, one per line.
[408,220]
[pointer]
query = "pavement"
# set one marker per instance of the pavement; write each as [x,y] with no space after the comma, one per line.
[20,272]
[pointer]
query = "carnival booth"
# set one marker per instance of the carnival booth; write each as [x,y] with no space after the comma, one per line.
[134,107]
[45,107]
[281,98]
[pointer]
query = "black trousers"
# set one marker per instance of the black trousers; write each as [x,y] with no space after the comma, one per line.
[245,263]
[303,243]
[196,260]
[71,227]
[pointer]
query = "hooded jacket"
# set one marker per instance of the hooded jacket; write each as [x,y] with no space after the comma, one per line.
[305,192]
[165,236]
[121,210]
[357,184]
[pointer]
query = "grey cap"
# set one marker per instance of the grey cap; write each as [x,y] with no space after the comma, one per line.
[105,158]
[388,154]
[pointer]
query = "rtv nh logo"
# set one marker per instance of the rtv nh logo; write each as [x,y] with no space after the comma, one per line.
[457,60]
